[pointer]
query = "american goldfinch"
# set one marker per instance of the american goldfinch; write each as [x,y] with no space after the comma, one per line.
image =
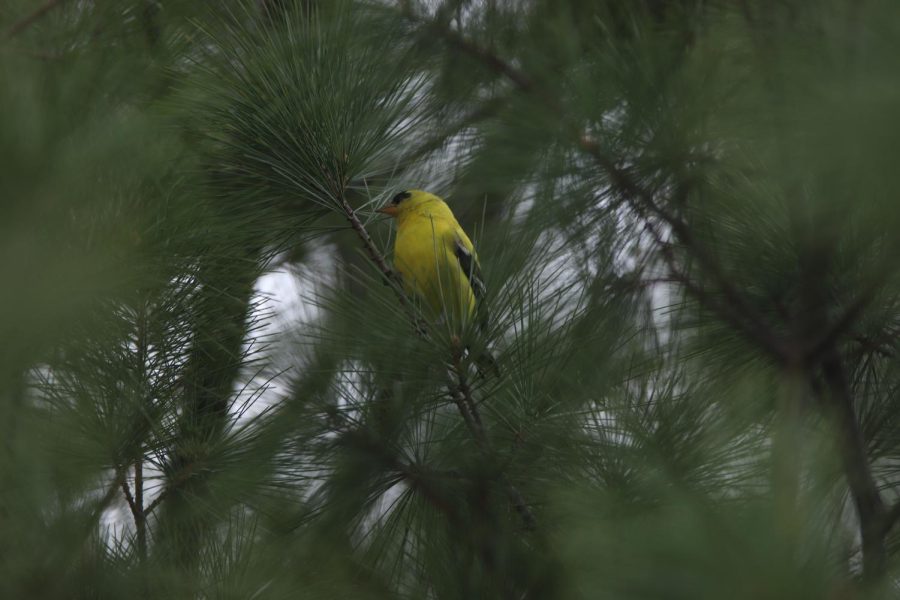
[435,258]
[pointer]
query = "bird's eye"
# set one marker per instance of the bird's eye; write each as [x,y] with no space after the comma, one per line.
[400,197]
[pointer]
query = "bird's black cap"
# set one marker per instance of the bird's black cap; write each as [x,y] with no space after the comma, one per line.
[400,197]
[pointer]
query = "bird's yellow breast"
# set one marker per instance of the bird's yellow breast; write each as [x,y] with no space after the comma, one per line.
[425,256]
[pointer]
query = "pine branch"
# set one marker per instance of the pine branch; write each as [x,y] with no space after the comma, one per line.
[640,199]
[870,508]
[185,473]
[411,473]
[464,402]
[140,517]
[113,489]
[392,278]
[726,310]
[743,316]
[159,499]
[468,408]
[126,491]
[891,517]
[360,436]
[517,77]
[135,504]
[846,321]
[484,111]
[884,345]
[136,501]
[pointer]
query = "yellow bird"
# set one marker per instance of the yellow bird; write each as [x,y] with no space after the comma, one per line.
[435,258]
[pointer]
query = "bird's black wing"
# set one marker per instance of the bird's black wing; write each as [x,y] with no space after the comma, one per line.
[470,268]
[484,360]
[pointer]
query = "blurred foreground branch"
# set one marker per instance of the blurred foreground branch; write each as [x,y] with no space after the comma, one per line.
[30,19]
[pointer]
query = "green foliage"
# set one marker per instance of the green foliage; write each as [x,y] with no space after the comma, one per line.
[685,215]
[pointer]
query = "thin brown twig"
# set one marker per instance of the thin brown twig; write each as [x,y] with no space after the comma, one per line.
[156,501]
[28,20]
[462,396]
[185,474]
[126,491]
[392,278]
[140,517]
[135,504]
[368,244]
[466,414]
[471,417]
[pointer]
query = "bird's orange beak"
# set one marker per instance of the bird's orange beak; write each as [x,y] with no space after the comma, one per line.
[390,209]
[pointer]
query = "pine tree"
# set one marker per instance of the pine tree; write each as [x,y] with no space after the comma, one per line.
[685,218]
